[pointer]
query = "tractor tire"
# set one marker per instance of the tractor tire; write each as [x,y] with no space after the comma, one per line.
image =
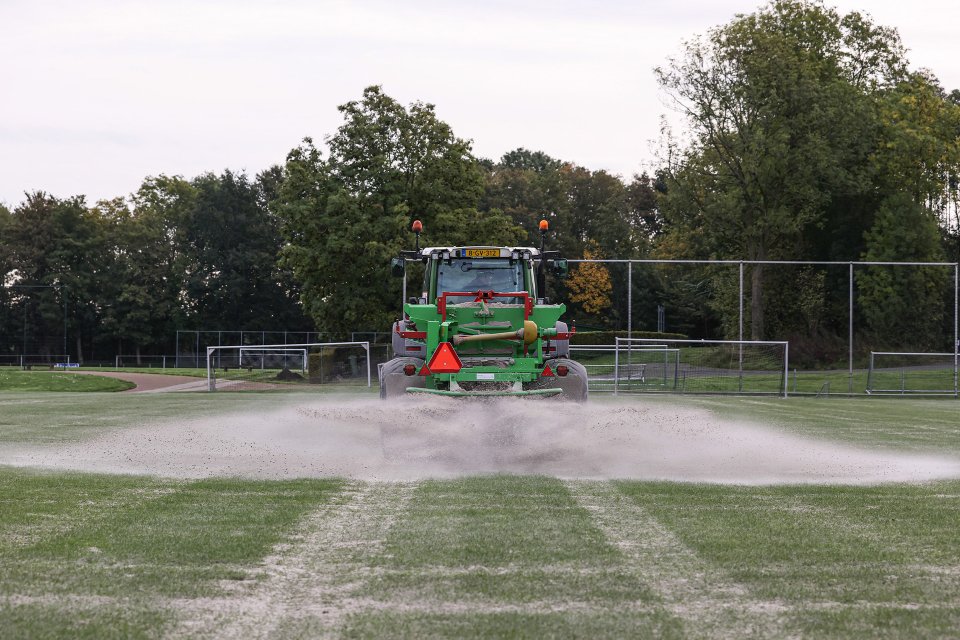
[394,382]
[573,385]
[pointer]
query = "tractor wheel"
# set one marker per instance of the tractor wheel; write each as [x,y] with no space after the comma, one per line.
[574,384]
[394,382]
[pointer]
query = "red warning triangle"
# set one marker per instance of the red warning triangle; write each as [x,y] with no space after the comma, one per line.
[547,372]
[445,360]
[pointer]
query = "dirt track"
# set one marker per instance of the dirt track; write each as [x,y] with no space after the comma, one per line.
[441,437]
[151,381]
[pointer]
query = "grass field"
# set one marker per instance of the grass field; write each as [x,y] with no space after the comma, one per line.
[25,381]
[101,556]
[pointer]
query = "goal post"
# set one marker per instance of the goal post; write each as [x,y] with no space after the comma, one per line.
[701,366]
[917,373]
[341,363]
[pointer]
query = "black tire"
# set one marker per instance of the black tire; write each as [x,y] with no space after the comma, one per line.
[573,385]
[394,382]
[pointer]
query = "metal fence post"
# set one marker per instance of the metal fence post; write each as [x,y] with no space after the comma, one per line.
[850,333]
[366,345]
[616,364]
[211,384]
[740,299]
[740,322]
[629,314]
[630,299]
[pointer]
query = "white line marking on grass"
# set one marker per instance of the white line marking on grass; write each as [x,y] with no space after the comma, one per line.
[708,604]
[310,580]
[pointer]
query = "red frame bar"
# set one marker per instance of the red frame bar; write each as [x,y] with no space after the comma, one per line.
[410,335]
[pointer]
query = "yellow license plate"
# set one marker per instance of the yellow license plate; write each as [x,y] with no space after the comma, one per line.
[483,253]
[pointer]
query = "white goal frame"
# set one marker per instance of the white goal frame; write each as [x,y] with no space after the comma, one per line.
[656,344]
[212,381]
[955,392]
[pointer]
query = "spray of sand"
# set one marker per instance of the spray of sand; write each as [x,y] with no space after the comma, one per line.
[442,437]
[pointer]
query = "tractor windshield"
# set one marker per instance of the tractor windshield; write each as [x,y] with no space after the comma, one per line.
[488,274]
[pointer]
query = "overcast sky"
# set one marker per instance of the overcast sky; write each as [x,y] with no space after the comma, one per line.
[99,95]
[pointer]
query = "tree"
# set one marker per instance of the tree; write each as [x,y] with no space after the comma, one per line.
[920,154]
[401,160]
[152,300]
[58,246]
[528,186]
[230,246]
[903,305]
[590,284]
[345,217]
[587,210]
[783,122]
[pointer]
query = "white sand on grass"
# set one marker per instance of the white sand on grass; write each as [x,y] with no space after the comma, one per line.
[443,437]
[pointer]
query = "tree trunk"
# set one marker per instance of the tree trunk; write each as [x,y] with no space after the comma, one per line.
[79,349]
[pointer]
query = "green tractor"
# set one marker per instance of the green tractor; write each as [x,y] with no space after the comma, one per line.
[482,327]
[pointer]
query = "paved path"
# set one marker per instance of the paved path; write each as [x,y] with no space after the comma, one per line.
[152,382]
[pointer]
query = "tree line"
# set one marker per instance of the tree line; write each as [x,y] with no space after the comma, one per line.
[807,137]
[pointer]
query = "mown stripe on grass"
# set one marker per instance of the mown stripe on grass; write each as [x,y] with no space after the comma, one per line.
[493,521]
[306,586]
[497,540]
[105,622]
[176,540]
[709,603]
[86,555]
[850,554]
[596,624]
[503,556]
[38,506]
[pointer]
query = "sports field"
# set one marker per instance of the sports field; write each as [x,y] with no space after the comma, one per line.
[281,515]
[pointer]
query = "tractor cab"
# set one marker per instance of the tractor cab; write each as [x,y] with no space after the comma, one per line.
[450,270]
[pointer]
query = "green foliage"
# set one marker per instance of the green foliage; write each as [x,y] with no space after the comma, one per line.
[904,306]
[781,107]
[232,244]
[586,210]
[199,253]
[919,151]
[146,272]
[344,218]
[58,245]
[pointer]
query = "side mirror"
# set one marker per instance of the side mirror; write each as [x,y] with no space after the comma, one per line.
[397,267]
[559,267]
